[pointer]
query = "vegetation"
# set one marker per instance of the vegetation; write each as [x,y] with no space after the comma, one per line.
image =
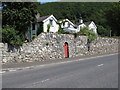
[40,29]
[10,35]
[18,15]
[61,31]
[88,32]
[48,28]
[113,18]
[34,36]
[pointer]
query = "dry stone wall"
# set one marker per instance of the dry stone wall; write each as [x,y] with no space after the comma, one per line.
[50,46]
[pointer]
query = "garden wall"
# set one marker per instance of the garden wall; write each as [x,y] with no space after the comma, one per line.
[50,46]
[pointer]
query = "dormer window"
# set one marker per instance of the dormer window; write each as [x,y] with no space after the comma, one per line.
[68,24]
[51,22]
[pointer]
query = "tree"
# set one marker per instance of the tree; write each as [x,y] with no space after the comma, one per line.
[87,32]
[90,34]
[10,36]
[113,18]
[19,15]
[102,31]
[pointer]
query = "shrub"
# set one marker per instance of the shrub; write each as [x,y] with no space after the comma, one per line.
[88,32]
[10,36]
[61,31]
[48,28]
[34,36]
[103,31]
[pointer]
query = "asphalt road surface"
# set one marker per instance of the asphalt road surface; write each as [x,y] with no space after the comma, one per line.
[95,72]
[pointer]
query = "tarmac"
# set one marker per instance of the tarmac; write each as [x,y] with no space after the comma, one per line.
[30,65]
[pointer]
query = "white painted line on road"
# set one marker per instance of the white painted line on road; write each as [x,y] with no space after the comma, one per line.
[45,80]
[100,65]
[12,70]
[96,57]
[2,72]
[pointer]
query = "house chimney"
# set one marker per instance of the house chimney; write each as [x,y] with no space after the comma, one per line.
[81,20]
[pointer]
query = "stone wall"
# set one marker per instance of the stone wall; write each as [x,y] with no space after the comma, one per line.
[49,46]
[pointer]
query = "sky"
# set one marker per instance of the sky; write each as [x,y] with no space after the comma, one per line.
[45,1]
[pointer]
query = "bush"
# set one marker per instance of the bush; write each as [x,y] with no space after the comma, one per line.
[61,31]
[10,36]
[88,32]
[34,36]
[102,31]
[48,28]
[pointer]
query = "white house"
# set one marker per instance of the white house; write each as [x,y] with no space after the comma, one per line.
[68,26]
[42,24]
[90,25]
[50,24]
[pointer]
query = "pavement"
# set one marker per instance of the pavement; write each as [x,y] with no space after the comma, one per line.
[86,72]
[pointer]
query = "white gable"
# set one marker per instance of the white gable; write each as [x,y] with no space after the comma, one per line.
[52,21]
[50,17]
[92,25]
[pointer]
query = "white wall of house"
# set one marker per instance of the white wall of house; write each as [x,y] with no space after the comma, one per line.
[69,26]
[81,26]
[53,26]
[93,27]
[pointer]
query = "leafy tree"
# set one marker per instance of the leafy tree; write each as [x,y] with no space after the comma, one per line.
[102,31]
[88,32]
[10,36]
[113,18]
[91,36]
[19,15]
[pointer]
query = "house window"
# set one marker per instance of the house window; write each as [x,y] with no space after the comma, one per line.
[68,24]
[51,22]
[33,26]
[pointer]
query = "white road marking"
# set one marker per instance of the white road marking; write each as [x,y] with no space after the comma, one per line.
[2,72]
[12,70]
[100,65]
[45,80]
[81,59]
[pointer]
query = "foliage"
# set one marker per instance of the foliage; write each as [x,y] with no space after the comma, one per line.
[34,36]
[88,32]
[48,28]
[113,18]
[10,36]
[61,31]
[40,29]
[19,15]
[102,31]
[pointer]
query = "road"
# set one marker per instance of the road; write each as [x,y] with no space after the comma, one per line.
[96,72]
